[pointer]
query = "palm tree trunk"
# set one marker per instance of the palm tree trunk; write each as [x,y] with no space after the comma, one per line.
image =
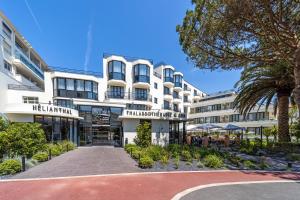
[283,116]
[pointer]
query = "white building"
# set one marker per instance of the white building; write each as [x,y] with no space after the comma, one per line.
[219,109]
[94,108]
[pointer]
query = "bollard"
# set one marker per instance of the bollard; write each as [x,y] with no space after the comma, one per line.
[130,151]
[50,155]
[290,165]
[23,164]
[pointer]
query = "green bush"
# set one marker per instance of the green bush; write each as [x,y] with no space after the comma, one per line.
[196,156]
[263,163]
[10,167]
[174,149]
[41,157]
[203,152]
[128,147]
[293,156]
[24,139]
[146,162]
[136,153]
[176,162]
[143,137]
[249,164]
[200,165]
[155,152]
[186,155]
[213,161]
[56,149]
[236,161]
[164,160]
[67,145]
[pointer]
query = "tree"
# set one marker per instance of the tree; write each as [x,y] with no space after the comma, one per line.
[260,86]
[24,139]
[267,133]
[231,34]
[143,138]
[295,129]
[3,124]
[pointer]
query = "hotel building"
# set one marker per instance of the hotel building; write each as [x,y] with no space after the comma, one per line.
[98,108]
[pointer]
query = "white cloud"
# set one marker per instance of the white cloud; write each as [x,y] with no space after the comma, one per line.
[33,16]
[88,50]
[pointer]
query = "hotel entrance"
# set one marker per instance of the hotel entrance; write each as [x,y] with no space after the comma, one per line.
[102,135]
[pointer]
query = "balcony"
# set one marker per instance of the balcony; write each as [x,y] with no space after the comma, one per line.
[128,96]
[169,81]
[165,107]
[187,102]
[116,78]
[141,81]
[178,86]
[177,98]
[168,96]
[22,60]
[24,87]
[196,97]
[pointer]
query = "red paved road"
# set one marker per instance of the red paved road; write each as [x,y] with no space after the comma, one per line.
[156,186]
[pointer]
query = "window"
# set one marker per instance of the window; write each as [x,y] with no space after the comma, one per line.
[168,75]
[7,65]
[167,90]
[141,94]
[155,85]
[185,87]
[185,110]
[61,83]
[6,30]
[178,80]
[116,92]
[175,106]
[175,95]
[31,100]
[141,73]
[70,84]
[116,70]
[155,100]
[6,47]
[185,99]
[95,87]
[167,105]
[195,93]
[80,85]
[88,86]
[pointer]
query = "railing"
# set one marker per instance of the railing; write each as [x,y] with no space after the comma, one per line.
[178,84]
[116,76]
[25,60]
[75,71]
[128,96]
[24,87]
[187,89]
[177,96]
[141,79]
[169,79]
[166,107]
[187,101]
[157,75]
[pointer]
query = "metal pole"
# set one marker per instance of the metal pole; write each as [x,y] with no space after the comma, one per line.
[23,164]
[261,137]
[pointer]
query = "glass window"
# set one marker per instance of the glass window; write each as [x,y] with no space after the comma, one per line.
[61,83]
[155,100]
[79,85]
[6,30]
[88,86]
[7,65]
[140,94]
[155,85]
[6,47]
[30,100]
[169,75]
[166,104]
[70,84]
[166,90]
[95,87]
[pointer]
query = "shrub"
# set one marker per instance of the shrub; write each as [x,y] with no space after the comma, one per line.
[10,167]
[146,162]
[67,145]
[176,162]
[136,154]
[249,164]
[186,156]
[143,137]
[203,152]
[56,149]
[200,165]
[235,160]
[174,149]
[293,157]
[41,157]
[128,147]
[263,163]
[3,124]
[164,160]
[25,139]
[213,161]
[196,156]
[156,152]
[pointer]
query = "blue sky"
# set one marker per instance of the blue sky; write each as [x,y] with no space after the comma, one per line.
[76,33]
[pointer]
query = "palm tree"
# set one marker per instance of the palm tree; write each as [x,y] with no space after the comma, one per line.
[262,85]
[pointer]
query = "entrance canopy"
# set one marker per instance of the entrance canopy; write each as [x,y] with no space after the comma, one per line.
[231,127]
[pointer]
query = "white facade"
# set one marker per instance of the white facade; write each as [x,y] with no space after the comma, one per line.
[105,107]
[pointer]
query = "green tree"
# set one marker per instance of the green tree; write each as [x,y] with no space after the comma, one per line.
[267,133]
[24,139]
[143,138]
[235,34]
[260,86]
[295,130]
[3,124]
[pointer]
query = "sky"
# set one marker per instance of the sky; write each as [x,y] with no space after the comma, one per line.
[75,34]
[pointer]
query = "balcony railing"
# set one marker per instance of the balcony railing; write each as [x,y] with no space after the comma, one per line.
[165,107]
[24,87]
[116,76]
[25,60]
[128,96]
[187,89]
[169,79]
[178,84]
[141,79]
[176,96]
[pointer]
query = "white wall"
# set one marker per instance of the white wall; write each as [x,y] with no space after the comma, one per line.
[129,129]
